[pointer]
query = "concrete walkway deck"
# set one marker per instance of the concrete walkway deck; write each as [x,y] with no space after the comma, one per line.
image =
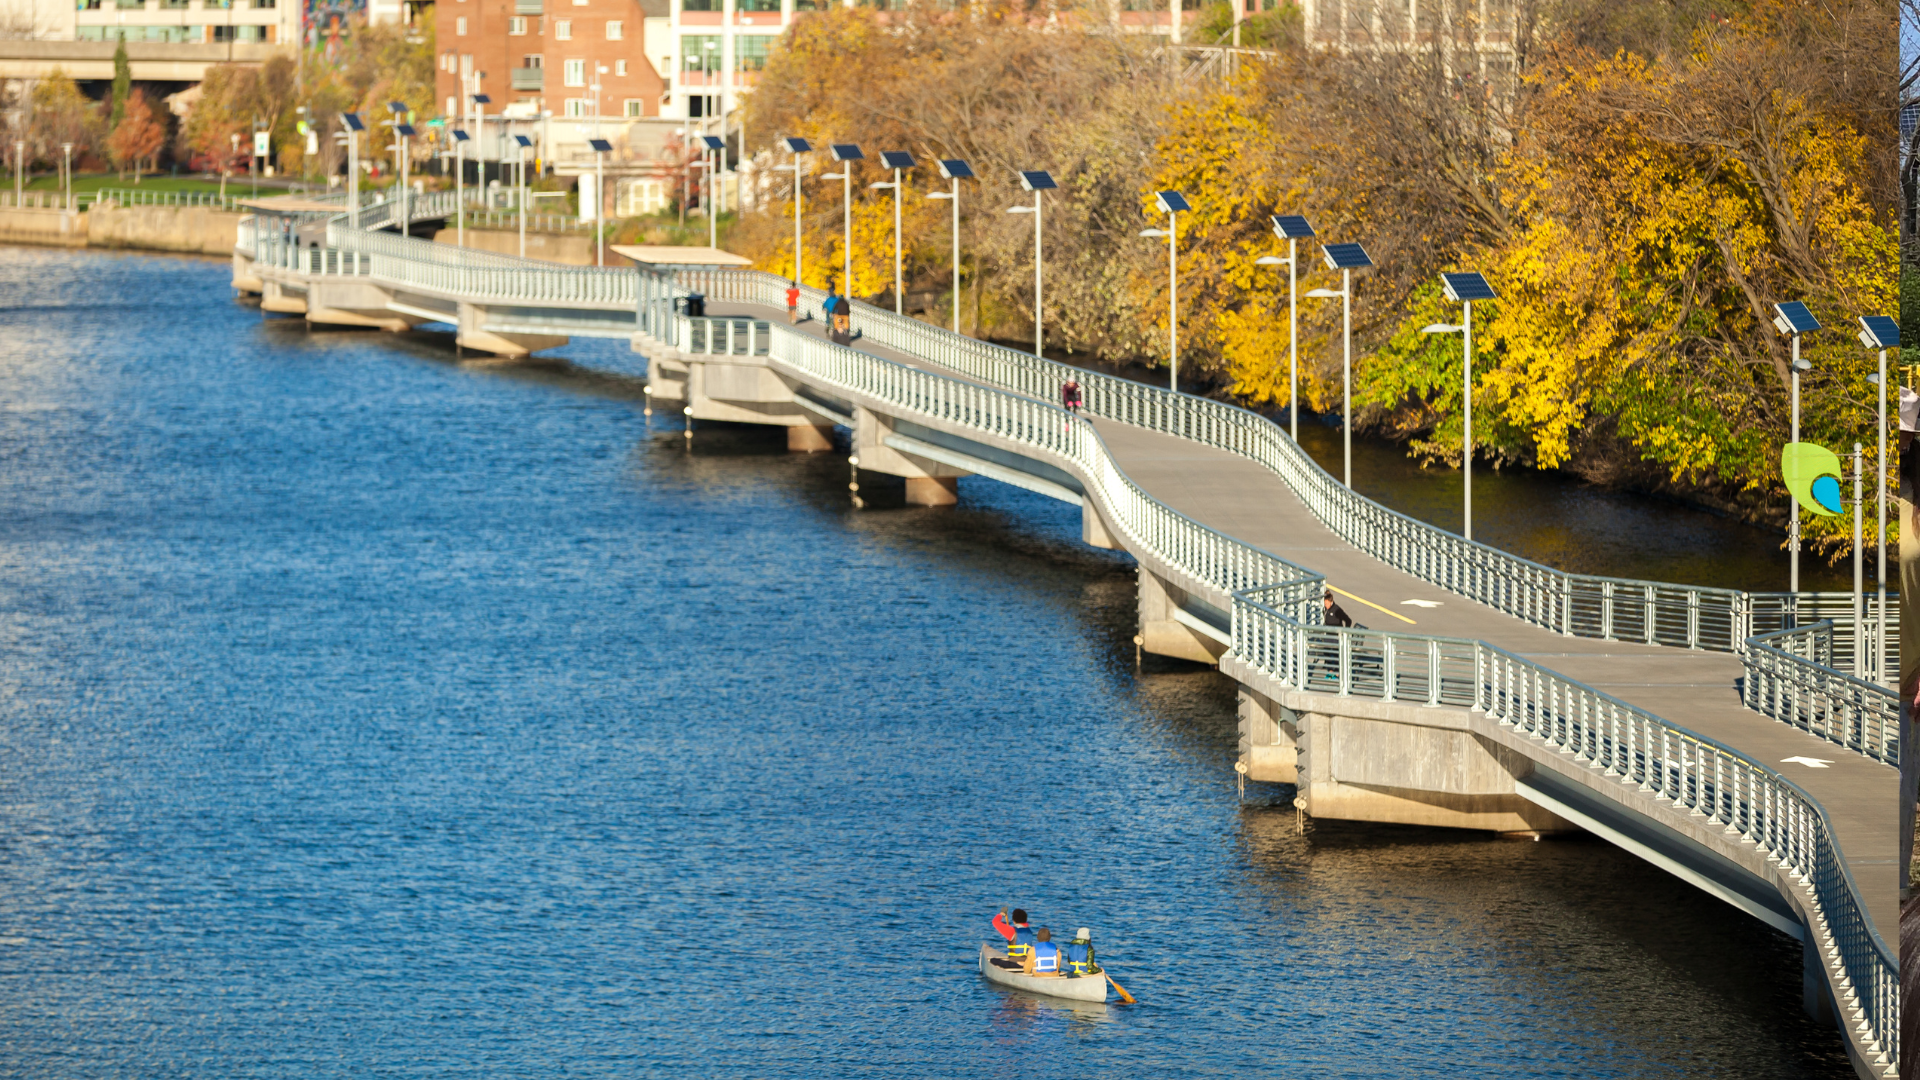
[1697,690]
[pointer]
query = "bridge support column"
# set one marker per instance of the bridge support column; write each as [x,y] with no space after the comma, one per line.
[809,439]
[1816,997]
[1093,531]
[1269,738]
[471,334]
[353,303]
[1161,633]
[274,297]
[929,483]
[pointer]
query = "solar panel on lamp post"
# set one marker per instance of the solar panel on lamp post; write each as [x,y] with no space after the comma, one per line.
[355,126]
[1171,203]
[896,160]
[846,154]
[1345,258]
[1036,181]
[1464,289]
[1880,332]
[520,195]
[954,170]
[1793,319]
[796,147]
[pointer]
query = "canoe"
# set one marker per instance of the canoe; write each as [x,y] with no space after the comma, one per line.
[1084,988]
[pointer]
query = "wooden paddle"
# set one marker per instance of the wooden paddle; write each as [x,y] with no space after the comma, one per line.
[1121,990]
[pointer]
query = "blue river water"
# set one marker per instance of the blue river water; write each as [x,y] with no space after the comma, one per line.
[363,712]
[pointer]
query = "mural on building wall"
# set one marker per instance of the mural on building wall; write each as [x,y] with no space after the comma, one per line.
[327,21]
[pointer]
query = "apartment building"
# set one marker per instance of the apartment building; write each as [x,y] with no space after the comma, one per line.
[536,57]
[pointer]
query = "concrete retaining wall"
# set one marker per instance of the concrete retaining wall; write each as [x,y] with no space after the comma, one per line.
[54,228]
[196,230]
[575,249]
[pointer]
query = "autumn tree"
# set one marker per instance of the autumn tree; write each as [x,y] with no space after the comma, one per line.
[58,114]
[138,138]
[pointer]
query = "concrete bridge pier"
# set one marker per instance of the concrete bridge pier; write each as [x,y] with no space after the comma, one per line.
[276,297]
[929,482]
[471,333]
[810,438]
[353,303]
[1167,628]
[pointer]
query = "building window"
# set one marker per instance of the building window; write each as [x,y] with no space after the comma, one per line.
[638,197]
[578,107]
[533,60]
[563,29]
[576,72]
[460,26]
[452,103]
[694,50]
[516,25]
[614,30]
[699,5]
[635,107]
[620,68]
[466,63]
[750,52]
[757,5]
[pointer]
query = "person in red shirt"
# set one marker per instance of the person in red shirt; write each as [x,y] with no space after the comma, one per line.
[1020,939]
[793,301]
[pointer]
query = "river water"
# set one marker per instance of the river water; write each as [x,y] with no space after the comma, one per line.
[366,713]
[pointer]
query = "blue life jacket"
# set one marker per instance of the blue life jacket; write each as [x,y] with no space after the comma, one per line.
[1022,943]
[1046,957]
[1080,958]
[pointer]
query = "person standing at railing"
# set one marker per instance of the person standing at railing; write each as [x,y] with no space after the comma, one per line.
[1070,395]
[793,301]
[1334,614]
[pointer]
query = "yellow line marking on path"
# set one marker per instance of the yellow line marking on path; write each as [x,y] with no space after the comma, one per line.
[1373,605]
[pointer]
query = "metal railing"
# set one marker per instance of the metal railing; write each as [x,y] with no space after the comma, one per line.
[1792,676]
[1277,630]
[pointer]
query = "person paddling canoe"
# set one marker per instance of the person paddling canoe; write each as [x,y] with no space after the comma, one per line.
[1019,935]
[1079,956]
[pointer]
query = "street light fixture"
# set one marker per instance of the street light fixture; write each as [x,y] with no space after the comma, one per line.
[1292,228]
[896,160]
[1345,258]
[1464,289]
[846,154]
[521,142]
[355,126]
[600,148]
[1036,181]
[796,147]
[716,145]
[1170,204]
[955,170]
[1880,332]
[1793,319]
[480,103]
[460,138]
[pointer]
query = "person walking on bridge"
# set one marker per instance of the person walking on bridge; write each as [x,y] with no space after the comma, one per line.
[1334,614]
[793,301]
[1070,395]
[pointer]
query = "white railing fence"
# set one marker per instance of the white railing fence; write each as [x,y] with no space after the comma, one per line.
[1792,676]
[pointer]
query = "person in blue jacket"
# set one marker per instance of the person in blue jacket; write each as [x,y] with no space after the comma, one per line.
[1079,955]
[1044,960]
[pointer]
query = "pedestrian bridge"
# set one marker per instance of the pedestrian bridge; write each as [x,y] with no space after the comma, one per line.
[1721,735]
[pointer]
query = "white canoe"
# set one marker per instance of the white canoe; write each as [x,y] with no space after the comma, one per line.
[1084,988]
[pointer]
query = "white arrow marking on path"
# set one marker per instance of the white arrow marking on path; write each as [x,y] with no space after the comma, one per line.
[1420,603]
[1809,762]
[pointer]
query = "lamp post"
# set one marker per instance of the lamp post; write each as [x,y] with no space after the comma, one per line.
[355,126]
[1036,181]
[717,147]
[954,170]
[896,160]
[796,147]
[846,154]
[233,142]
[480,103]
[1793,319]
[1345,258]
[19,172]
[1170,204]
[600,148]
[521,142]
[1292,228]
[459,181]
[1464,289]
[66,169]
[403,131]
[1880,332]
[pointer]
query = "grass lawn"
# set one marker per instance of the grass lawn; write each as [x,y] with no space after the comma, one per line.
[238,185]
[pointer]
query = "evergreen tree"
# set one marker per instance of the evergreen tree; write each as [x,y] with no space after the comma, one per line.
[122,83]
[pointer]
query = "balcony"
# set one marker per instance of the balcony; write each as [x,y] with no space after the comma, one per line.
[529,78]
[528,7]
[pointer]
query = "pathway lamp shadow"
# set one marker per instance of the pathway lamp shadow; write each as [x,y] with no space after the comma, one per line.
[1345,258]
[1036,181]
[795,147]
[1292,228]
[1794,320]
[954,170]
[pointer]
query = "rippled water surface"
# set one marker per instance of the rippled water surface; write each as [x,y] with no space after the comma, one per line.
[363,713]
